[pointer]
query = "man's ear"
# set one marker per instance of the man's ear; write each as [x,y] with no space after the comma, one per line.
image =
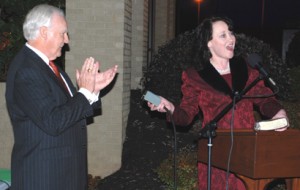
[43,32]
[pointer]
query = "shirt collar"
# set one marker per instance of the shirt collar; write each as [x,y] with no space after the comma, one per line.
[39,53]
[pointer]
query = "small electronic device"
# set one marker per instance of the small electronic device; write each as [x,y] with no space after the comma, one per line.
[152,98]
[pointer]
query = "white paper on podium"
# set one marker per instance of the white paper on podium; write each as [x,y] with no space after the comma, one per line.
[272,124]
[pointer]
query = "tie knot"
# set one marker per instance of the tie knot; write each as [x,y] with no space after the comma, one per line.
[54,67]
[52,64]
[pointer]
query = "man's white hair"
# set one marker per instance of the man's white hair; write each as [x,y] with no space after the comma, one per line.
[37,17]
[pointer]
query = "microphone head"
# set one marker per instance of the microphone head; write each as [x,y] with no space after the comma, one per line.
[253,60]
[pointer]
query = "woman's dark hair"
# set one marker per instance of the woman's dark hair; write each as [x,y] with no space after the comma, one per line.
[204,35]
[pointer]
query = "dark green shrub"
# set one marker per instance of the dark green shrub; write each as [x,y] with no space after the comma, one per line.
[186,170]
[12,15]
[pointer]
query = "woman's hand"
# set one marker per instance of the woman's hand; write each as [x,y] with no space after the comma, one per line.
[281,114]
[163,106]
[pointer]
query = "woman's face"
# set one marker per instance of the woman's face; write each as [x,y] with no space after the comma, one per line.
[223,41]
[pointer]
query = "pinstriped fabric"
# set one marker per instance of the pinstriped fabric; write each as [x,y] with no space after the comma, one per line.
[49,128]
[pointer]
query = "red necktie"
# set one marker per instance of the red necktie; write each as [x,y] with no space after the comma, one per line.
[56,72]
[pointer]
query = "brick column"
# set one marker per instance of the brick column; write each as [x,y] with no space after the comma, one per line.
[6,131]
[139,41]
[164,22]
[102,29]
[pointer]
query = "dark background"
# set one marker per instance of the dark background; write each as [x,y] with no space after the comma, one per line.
[263,19]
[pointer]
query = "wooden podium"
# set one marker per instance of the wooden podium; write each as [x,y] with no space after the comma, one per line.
[257,157]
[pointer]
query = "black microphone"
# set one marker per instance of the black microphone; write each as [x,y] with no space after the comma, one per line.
[254,61]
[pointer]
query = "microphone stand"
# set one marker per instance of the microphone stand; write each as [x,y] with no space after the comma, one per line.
[209,130]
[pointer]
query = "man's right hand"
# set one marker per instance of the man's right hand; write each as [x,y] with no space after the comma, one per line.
[86,78]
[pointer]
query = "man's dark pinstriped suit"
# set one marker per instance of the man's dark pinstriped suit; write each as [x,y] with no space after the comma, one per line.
[49,127]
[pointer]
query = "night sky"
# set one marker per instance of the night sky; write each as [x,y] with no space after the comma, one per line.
[246,15]
[249,12]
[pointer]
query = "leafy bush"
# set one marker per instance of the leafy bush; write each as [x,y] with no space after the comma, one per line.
[186,170]
[293,107]
[12,15]
[293,56]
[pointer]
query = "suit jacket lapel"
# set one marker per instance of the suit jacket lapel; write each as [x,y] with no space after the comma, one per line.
[47,70]
[69,82]
[239,72]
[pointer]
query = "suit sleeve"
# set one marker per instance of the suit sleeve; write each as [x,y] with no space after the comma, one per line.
[40,99]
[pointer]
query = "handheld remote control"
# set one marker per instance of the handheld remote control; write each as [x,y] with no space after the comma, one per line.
[152,98]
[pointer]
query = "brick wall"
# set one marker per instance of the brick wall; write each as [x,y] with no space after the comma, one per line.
[6,133]
[102,29]
[139,41]
[164,22]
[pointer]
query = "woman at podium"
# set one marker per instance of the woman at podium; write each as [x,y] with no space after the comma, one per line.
[212,86]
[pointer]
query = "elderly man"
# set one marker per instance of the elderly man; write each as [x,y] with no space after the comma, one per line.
[48,114]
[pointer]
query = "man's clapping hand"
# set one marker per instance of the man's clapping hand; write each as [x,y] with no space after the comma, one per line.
[104,78]
[86,77]
[90,77]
